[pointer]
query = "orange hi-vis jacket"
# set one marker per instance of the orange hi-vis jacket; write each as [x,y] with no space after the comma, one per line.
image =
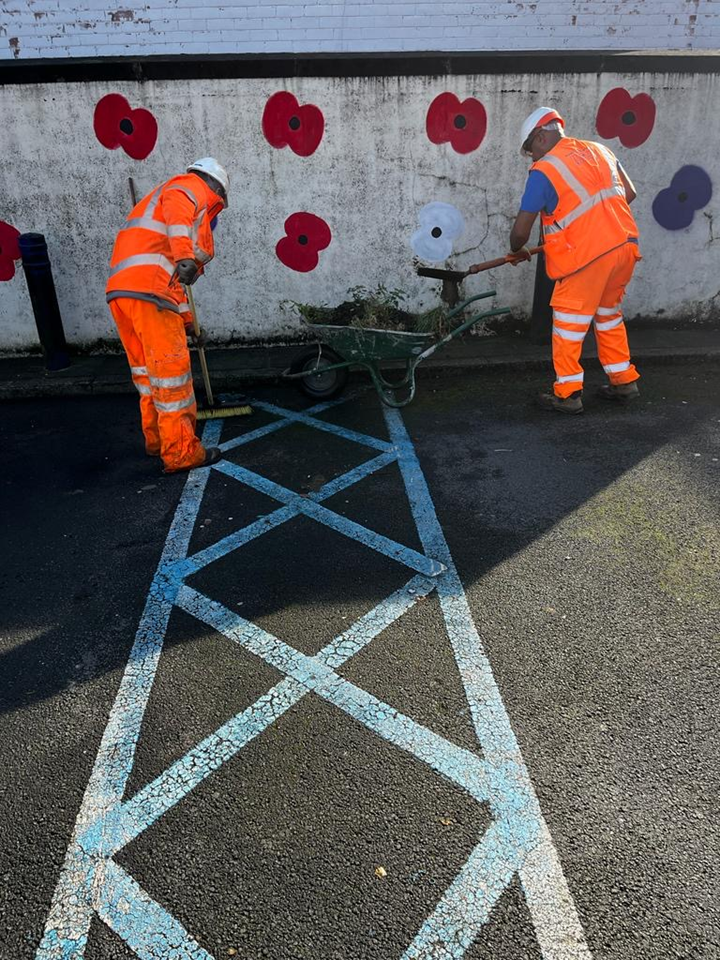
[592,216]
[171,223]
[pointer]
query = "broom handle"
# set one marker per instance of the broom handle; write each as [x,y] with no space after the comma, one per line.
[500,261]
[200,350]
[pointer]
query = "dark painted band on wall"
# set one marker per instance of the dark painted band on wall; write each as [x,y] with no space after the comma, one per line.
[232,66]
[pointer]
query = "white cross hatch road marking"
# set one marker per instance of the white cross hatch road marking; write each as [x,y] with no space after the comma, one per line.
[517,842]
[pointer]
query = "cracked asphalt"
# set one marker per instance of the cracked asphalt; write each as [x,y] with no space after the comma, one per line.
[589,549]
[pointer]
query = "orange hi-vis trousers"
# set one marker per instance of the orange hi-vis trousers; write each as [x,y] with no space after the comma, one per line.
[593,293]
[155,342]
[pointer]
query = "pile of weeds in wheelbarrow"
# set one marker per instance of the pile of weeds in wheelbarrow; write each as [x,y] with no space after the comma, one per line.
[378,309]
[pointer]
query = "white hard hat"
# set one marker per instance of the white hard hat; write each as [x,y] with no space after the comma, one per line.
[538,118]
[212,168]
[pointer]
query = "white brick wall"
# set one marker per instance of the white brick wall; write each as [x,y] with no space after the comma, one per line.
[86,28]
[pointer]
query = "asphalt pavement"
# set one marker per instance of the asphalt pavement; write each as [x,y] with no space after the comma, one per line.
[588,551]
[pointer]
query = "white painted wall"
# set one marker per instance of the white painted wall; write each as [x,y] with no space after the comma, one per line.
[372,173]
[99,28]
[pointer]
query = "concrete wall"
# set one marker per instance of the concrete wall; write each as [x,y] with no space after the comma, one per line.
[100,28]
[373,173]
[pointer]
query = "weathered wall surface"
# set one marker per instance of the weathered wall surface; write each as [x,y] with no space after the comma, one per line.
[370,177]
[98,28]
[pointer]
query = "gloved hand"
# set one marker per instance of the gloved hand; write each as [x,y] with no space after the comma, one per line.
[198,339]
[187,271]
[517,256]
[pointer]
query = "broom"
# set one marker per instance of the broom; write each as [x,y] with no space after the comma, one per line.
[224,407]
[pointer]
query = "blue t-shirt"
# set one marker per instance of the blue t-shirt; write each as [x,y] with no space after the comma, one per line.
[539,194]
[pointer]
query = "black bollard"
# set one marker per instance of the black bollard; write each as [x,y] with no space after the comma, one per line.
[540,329]
[38,273]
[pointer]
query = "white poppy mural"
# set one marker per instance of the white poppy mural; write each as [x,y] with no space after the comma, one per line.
[440,225]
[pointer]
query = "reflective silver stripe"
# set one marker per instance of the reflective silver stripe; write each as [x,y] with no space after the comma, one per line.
[144,260]
[612,162]
[175,405]
[179,230]
[139,371]
[607,311]
[552,228]
[159,302]
[573,378]
[202,255]
[154,200]
[580,318]
[171,381]
[145,223]
[184,308]
[144,389]
[188,193]
[608,324]
[617,367]
[607,194]
[562,169]
[569,334]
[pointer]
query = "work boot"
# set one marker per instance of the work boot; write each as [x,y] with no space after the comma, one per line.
[571,404]
[619,392]
[212,455]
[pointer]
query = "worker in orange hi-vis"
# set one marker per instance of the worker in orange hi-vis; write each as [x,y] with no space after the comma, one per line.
[590,240]
[164,244]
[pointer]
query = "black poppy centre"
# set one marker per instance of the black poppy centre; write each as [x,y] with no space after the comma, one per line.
[126,126]
[294,123]
[682,196]
[628,118]
[436,232]
[460,121]
[302,239]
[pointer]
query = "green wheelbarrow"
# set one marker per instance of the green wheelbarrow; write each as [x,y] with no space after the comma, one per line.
[321,370]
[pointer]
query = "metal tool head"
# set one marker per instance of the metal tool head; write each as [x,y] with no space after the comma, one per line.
[454,275]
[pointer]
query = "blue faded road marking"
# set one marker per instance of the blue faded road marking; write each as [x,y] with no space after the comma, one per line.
[396,551]
[465,907]
[517,842]
[285,421]
[148,929]
[305,418]
[134,816]
[71,910]
[278,517]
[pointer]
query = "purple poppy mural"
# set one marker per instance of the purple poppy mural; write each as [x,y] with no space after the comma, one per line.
[690,190]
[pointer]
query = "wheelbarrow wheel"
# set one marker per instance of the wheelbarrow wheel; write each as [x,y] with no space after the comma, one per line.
[325,384]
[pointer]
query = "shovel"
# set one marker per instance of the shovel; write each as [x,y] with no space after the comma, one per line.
[457,275]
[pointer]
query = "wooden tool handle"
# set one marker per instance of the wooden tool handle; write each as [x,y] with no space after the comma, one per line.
[200,350]
[500,261]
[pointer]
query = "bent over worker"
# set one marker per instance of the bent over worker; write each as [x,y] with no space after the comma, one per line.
[590,240]
[164,244]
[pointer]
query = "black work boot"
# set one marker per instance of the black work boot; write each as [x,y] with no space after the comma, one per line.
[212,455]
[571,404]
[619,392]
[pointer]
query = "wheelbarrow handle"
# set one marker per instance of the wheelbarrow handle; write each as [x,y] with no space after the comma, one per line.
[461,306]
[460,330]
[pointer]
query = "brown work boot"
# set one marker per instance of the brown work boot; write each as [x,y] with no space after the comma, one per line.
[571,404]
[619,392]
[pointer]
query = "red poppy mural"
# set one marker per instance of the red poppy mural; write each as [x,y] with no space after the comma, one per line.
[118,125]
[305,236]
[629,118]
[9,250]
[461,124]
[286,124]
